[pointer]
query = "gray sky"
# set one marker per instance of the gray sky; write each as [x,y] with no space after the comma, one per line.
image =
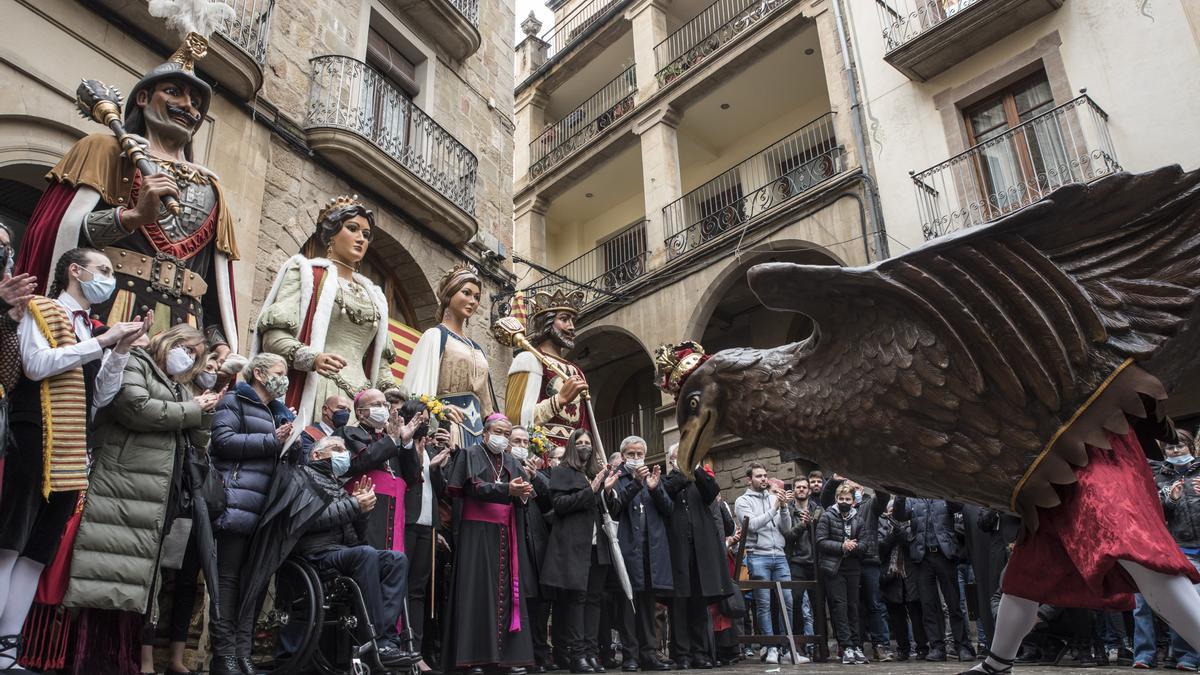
[539,8]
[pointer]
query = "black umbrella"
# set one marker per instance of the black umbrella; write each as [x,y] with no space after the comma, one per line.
[202,525]
[293,503]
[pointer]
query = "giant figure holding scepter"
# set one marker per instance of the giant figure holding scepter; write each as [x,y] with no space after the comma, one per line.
[139,197]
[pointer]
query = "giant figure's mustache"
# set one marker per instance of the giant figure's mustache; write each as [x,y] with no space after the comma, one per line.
[175,111]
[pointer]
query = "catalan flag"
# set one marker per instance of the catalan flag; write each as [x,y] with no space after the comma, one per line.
[404,340]
[518,308]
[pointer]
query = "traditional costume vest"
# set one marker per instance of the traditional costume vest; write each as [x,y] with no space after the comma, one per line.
[59,406]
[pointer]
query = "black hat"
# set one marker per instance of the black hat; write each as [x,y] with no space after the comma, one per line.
[180,67]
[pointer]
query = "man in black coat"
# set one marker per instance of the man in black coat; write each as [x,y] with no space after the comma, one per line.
[801,550]
[332,544]
[935,551]
[538,514]
[700,573]
[645,510]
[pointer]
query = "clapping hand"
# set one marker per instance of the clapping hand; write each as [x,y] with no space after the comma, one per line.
[611,480]
[208,400]
[640,473]
[17,292]
[364,492]
[655,476]
[406,430]
[441,458]
[519,487]
[599,479]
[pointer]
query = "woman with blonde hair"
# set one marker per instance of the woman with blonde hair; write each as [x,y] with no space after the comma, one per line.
[135,489]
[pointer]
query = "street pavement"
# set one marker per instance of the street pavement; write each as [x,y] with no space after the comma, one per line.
[906,668]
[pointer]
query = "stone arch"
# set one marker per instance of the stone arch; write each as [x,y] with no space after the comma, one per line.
[786,250]
[29,147]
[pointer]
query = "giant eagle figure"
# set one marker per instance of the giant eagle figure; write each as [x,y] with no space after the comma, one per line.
[957,369]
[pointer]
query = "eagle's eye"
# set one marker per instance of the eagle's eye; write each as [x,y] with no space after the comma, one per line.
[694,402]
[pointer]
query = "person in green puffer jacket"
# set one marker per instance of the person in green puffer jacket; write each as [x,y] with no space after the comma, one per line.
[135,489]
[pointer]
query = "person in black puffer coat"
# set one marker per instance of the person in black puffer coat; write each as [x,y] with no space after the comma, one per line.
[872,612]
[899,588]
[332,543]
[248,434]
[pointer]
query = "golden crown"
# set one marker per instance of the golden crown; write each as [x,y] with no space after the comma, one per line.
[558,301]
[673,364]
[337,203]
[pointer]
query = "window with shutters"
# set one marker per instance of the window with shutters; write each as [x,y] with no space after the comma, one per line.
[393,85]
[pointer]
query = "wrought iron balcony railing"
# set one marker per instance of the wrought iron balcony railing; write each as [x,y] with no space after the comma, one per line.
[561,139]
[350,95]
[564,33]
[786,169]
[1069,144]
[600,272]
[250,27]
[714,27]
[903,20]
[469,9]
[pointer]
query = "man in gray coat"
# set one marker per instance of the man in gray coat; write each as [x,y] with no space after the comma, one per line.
[767,516]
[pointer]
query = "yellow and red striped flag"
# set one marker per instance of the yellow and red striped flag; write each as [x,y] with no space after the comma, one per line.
[518,308]
[404,340]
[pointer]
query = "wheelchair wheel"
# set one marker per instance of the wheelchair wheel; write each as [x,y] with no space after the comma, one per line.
[289,621]
[347,646]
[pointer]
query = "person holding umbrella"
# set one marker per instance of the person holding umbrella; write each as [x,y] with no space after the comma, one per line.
[136,491]
[578,558]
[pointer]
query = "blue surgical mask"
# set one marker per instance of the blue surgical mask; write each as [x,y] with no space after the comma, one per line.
[340,462]
[858,496]
[340,418]
[205,379]
[1180,460]
[97,289]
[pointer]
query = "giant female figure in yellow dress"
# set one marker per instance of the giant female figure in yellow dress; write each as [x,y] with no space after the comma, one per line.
[325,319]
[448,364]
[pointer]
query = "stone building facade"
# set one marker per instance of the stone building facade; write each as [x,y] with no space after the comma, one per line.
[665,146]
[408,104]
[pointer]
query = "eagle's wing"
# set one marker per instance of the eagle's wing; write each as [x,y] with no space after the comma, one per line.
[1021,319]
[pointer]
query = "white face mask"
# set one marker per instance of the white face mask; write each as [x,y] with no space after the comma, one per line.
[520,453]
[179,361]
[497,443]
[205,379]
[378,415]
[635,463]
[340,462]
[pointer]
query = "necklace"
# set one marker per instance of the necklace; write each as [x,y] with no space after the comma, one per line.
[497,467]
[348,266]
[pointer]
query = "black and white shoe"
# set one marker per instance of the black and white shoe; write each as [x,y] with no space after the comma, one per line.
[987,668]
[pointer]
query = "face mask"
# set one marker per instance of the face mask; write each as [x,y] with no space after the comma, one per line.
[520,453]
[378,415]
[179,360]
[844,507]
[1180,460]
[340,462]
[858,496]
[340,418]
[276,385]
[585,451]
[497,443]
[634,463]
[98,288]
[205,379]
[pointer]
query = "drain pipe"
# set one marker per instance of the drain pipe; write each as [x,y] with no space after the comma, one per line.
[860,146]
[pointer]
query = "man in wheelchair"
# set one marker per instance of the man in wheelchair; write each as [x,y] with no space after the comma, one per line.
[333,545]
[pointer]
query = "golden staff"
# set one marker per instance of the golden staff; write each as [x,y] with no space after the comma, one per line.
[510,332]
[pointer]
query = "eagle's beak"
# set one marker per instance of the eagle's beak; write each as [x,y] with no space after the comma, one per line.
[695,439]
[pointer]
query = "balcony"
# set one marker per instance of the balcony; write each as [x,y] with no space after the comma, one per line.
[564,34]
[707,33]
[601,272]
[1069,144]
[236,53]
[371,130]
[925,37]
[766,181]
[561,139]
[454,24]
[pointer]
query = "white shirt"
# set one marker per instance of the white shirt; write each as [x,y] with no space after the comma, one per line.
[325,428]
[426,517]
[41,362]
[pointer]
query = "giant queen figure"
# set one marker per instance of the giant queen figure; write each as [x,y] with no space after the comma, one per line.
[166,261]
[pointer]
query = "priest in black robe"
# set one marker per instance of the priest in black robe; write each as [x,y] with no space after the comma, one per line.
[487,624]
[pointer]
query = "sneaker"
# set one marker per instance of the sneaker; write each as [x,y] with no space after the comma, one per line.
[859,656]
[1186,664]
[1142,665]
[773,656]
[797,659]
[883,654]
[848,656]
